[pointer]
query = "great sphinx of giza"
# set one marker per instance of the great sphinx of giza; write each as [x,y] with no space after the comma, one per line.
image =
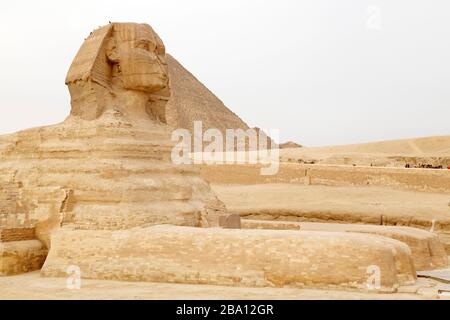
[99,191]
[107,166]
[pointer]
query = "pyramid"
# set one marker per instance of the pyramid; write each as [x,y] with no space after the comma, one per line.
[192,101]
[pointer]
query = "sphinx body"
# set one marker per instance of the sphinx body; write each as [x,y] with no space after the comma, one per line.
[107,166]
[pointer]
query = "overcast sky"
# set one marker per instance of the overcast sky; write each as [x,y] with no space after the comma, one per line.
[323,72]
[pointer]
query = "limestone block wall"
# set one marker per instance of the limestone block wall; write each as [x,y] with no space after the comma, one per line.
[9,195]
[248,258]
[424,180]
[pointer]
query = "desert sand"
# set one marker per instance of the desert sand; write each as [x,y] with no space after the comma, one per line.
[396,153]
[31,286]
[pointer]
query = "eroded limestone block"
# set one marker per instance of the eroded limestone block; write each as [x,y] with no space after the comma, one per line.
[427,250]
[253,258]
[21,256]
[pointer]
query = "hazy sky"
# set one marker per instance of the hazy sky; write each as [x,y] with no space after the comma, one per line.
[323,72]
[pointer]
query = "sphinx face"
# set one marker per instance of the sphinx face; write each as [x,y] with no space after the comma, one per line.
[139,56]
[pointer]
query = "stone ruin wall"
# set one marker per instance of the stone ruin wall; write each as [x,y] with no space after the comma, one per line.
[29,212]
[15,223]
[423,180]
[9,194]
[20,251]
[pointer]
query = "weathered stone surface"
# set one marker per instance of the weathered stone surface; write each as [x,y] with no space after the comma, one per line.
[17,234]
[255,258]
[271,225]
[433,181]
[21,256]
[427,251]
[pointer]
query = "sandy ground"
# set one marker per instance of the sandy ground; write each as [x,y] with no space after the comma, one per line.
[367,203]
[395,153]
[31,286]
[438,145]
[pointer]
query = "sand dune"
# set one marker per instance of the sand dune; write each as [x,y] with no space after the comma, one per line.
[397,153]
[425,145]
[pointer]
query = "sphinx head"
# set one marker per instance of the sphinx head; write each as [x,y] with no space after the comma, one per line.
[137,56]
[113,60]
